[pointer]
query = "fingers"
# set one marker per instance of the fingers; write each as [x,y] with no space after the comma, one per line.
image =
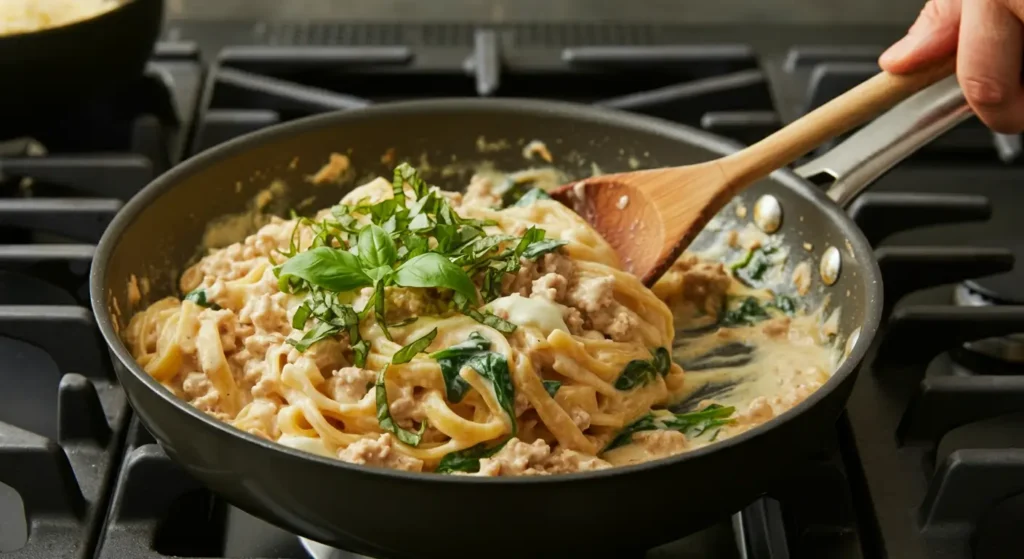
[932,37]
[989,64]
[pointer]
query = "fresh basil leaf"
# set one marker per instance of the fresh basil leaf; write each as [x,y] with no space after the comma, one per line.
[359,351]
[198,296]
[380,274]
[404,322]
[468,460]
[379,313]
[384,415]
[406,354]
[329,268]
[420,223]
[531,197]
[540,248]
[321,331]
[301,315]
[434,270]
[491,320]
[691,424]
[376,249]
[551,386]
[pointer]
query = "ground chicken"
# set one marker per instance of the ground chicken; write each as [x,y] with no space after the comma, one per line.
[349,385]
[379,452]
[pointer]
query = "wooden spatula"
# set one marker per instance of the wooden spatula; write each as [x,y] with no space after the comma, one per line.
[649,217]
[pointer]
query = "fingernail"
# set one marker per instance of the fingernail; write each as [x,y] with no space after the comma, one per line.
[898,50]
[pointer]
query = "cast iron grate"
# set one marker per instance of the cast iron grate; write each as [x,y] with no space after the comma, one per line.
[62,415]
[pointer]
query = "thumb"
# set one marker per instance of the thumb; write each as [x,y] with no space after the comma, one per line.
[932,37]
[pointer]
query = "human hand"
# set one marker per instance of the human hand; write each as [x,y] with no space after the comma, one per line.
[987,37]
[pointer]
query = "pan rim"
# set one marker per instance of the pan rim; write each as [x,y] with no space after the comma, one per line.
[596,115]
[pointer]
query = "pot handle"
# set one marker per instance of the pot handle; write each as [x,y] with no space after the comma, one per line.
[881,144]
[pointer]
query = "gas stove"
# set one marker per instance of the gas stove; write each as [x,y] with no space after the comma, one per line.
[927,462]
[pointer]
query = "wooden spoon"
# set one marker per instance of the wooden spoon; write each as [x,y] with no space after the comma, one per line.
[649,217]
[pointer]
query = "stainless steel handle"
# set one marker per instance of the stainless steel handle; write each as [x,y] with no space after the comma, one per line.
[879,146]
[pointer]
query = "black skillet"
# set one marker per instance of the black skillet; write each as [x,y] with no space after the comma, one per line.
[394,514]
[51,68]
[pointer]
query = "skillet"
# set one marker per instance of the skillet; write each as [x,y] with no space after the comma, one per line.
[384,513]
[51,68]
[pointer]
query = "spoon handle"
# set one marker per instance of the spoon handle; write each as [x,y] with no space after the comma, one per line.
[865,101]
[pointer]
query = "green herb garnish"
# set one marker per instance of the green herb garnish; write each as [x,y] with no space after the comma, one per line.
[552,386]
[198,296]
[384,415]
[406,354]
[639,372]
[748,313]
[468,460]
[413,240]
[691,424]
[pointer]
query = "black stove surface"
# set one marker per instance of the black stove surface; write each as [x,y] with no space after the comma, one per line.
[928,461]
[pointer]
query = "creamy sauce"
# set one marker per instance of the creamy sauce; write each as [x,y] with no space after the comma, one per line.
[542,314]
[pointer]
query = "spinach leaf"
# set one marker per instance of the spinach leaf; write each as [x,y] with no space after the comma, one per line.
[494,367]
[376,249]
[751,270]
[384,415]
[552,386]
[785,304]
[434,270]
[451,361]
[691,424]
[406,354]
[198,296]
[475,353]
[748,313]
[325,267]
[468,460]
[640,372]
[532,196]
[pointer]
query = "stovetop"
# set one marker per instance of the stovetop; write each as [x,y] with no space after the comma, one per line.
[928,461]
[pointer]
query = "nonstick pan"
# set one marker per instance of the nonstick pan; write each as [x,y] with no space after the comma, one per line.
[385,513]
[50,68]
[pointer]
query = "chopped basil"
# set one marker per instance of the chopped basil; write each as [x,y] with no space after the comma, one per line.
[198,296]
[415,239]
[406,354]
[532,196]
[384,415]
[691,424]
[640,372]
[552,386]
[468,460]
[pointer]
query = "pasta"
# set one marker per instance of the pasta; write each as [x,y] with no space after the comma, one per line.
[423,330]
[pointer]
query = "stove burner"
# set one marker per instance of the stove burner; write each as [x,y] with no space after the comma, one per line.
[1003,289]
[1007,348]
[318,550]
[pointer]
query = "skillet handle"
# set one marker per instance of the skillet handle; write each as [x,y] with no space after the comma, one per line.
[877,147]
